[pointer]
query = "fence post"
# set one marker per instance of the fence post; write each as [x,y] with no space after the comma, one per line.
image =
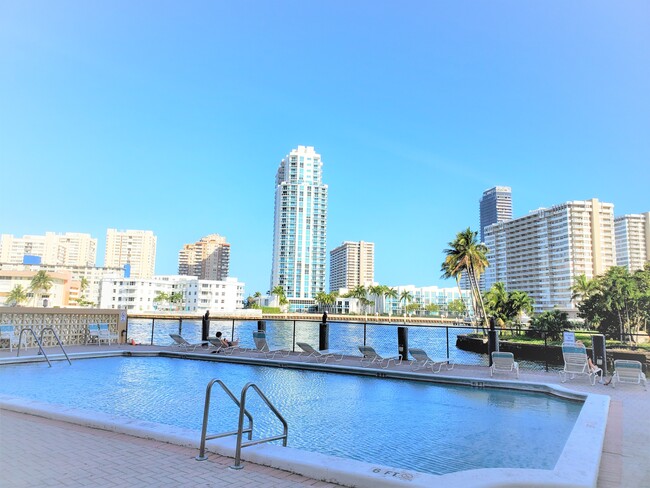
[293,339]
[545,351]
[323,334]
[403,343]
[364,333]
[447,334]
[153,321]
[180,326]
[232,331]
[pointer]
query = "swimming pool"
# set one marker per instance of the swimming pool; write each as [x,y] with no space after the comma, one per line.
[410,425]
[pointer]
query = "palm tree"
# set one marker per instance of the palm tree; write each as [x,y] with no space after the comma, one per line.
[17,295]
[321,299]
[161,296]
[467,255]
[256,297]
[41,283]
[377,291]
[84,284]
[278,291]
[518,303]
[496,302]
[331,298]
[406,297]
[390,293]
[582,288]
[176,298]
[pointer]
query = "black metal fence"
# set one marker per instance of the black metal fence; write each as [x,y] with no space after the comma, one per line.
[463,344]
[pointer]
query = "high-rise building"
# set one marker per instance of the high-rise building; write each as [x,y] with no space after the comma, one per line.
[352,264]
[69,249]
[300,228]
[207,259]
[135,248]
[632,240]
[495,206]
[543,252]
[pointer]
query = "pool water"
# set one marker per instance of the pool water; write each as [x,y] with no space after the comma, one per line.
[405,424]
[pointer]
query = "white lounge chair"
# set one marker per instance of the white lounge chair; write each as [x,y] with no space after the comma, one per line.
[421,360]
[259,337]
[7,334]
[105,334]
[180,342]
[93,333]
[221,347]
[319,355]
[504,362]
[576,362]
[370,357]
[628,371]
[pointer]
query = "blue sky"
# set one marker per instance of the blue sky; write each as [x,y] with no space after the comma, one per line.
[173,117]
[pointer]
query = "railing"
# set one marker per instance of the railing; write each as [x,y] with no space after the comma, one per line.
[345,335]
[36,339]
[57,340]
[206,413]
[242,410]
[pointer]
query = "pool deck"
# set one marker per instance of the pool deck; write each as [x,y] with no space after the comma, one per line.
[35,451]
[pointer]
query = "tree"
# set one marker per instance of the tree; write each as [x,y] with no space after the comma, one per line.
[176,298]
[406,297]
[16,296]
[496,303]
[466,255]
[321,299]
[432,308]
[457,307]
[41,283]
[278,291]
[390,293]
[552,322]
[519,302]
[377,291]
[582,288]
[161,297]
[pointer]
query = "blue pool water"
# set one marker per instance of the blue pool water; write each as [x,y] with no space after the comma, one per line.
[412,425]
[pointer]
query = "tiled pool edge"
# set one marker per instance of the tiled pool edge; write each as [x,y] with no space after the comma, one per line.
[577,466]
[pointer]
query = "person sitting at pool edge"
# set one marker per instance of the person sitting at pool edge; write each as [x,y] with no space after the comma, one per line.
[226,342]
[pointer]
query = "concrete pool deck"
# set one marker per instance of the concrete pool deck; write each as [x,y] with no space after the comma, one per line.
[40,452]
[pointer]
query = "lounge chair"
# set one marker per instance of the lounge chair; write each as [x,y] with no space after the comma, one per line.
[370,357]
[628,371]
[93,333]
[183,344]
[221,347]
[319,355]
[7,334]
[262,346]
[576,362]
[105,334]
[421,360]
[504,362]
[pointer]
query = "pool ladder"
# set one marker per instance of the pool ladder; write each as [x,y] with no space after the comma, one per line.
[241,404]
[39,341]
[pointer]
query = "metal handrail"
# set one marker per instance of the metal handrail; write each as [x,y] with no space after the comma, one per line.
[206,411]
[57,340]
[241,444]
[40,346]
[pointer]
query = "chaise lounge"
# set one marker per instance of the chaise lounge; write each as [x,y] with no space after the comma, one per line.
[319,355]
[628,371]
[421,360]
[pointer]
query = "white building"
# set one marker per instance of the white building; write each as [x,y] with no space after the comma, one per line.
[422,296]
[208,259]
[137,248]
[632,240]
[92,275]
[543,252]
[138,295]
[352,264]
[300,228]
[69,249]
[495,206]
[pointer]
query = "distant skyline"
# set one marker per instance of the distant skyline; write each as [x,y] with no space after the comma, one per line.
[174,117]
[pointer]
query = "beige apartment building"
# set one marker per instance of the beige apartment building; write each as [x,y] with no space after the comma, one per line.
[62,292]
[632,240]
[137,248]
[543,252]
[207,259]
[69,249]
[352,264]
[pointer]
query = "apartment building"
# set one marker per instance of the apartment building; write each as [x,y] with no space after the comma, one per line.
[139,295]
[62,290]
[69,249]
[352,264]
[543,252]
[208,258]
[632,240]
[494,206]
[134,250]
[300,228]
